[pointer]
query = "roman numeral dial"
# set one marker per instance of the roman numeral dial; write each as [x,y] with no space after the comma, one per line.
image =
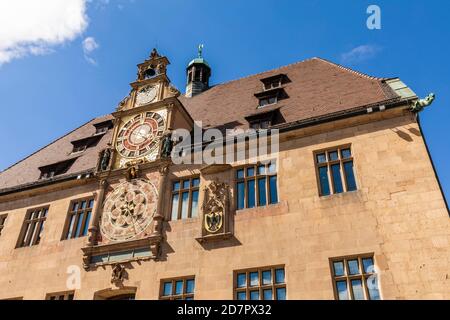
[140,135]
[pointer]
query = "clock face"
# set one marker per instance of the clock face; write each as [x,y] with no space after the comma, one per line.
[140,135]
[128,211]
[146,95]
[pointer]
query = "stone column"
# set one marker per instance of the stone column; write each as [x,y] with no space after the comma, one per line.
[159,215]
[93,227]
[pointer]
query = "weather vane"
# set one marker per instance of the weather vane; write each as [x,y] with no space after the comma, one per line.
[200,50]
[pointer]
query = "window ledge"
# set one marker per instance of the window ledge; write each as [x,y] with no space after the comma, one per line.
[183,222]
[277,209]
[356,193]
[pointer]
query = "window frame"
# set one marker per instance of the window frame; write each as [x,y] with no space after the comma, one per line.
[260,287]
[255,178]
[77,214]
[174,296]
[329,163]
[275,83]
[347,277]
[67,295]
[180,192]
[25,238]
[258,124]
[268,97]
[3,218]
[56,169]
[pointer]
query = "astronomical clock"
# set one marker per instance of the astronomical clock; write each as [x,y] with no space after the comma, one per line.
[129,210]
[140,136]
[133,170]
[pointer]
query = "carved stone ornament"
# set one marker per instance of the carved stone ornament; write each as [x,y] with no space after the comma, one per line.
[421,104]
[174,91]
[215,207]
[154,54]
[129,210]
[118,273]
[123,104]
[132,171]
[161,68]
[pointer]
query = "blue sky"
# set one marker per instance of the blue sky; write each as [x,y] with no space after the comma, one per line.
[50,85]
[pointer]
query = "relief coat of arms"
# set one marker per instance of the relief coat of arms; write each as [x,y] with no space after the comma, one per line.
[214,206]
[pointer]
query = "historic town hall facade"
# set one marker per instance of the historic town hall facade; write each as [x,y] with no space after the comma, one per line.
[345,205]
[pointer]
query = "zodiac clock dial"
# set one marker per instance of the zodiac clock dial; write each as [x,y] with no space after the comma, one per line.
[140,135]
[128,211]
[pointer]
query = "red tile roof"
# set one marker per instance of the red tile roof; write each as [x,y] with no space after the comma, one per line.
[27,170]
[317,87]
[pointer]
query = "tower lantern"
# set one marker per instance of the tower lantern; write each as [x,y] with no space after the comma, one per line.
[198,74]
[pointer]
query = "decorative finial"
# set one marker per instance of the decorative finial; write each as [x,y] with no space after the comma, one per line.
[200,50]
[419,105]
[154,54]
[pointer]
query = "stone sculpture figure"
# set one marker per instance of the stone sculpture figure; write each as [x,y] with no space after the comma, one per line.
[166,145]
[106,156]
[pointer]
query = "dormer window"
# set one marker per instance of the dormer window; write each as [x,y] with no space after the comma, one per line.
[261,124]
[274,82]
[79,148]
[264,119]
[103,127]
[266,101]
[82,144]
[273,90]
[56,169]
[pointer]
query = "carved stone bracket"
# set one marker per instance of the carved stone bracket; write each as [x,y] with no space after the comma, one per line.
[118,274]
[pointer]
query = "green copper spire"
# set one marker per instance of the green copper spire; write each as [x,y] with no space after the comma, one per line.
[200,51]
[199,59]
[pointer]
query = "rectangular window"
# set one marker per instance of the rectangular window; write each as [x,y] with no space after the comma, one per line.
[256,185]
[268,100]
[50,171]
[260,124]
[78,218]
[273,84]
[177,289]
[69,295]
[260,284]
[185,198]
[32,227]
[335,172]
[2,222]
[354,278]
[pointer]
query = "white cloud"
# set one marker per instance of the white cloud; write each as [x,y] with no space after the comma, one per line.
[360,54]
[36,27]
[89,46]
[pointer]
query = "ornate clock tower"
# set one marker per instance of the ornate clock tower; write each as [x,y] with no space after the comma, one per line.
[127,224]
[143,118]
